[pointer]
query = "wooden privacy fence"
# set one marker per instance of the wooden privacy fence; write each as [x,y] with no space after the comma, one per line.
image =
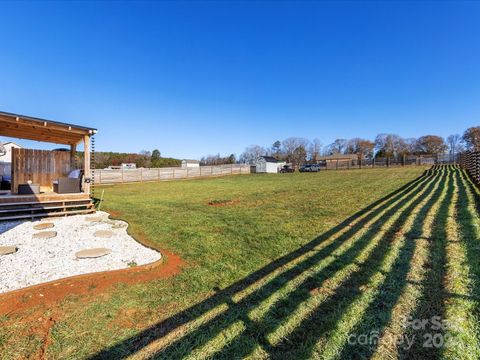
[470,161]
[345,164]
[114,176]
[39,166]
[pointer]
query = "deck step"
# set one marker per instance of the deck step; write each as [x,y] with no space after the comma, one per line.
[36,208]
[56,213]
[43,202]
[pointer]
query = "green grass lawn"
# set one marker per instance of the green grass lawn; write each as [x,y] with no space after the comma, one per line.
[292,266]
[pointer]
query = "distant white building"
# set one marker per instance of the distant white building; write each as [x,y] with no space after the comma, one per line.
[190,163]
[129,166]
[8,147]
[124,166]
[268,164]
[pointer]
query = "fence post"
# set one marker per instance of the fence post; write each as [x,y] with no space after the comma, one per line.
[141,174]
[373,163]
[122,175]
[388,161]
[158,174]
[337,165]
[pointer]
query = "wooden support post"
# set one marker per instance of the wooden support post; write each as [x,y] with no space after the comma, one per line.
[73,150]
[86,163]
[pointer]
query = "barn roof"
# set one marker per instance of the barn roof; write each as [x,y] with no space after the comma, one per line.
[270,159]
[32,128]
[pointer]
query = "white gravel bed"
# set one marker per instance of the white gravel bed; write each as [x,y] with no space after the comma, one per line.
[41,260]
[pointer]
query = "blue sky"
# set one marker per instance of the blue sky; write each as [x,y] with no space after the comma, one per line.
[197,78]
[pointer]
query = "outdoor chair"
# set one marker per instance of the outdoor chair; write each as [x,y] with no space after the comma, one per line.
[70,184]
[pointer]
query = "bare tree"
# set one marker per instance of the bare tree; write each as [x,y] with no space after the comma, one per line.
[252,154]
[290,144]
[390,145]
[410,145]
[471,138]
[338,146]
[454,143]
[314,149]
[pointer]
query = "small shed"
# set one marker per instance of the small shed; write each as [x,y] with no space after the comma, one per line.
[186,163]
[339,160]
[268,164]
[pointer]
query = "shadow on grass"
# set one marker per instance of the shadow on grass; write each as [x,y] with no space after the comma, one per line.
[301,341]
[379,312]
[467,225]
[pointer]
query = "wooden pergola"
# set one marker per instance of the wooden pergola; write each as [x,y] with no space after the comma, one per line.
[32,128]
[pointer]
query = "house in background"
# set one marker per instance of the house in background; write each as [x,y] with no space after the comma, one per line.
[268,164]
[336,161]
[8,147]
[6,159]
[190,163]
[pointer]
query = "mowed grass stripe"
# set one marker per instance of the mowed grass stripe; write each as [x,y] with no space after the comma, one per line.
[211,329]
[198,336]
[320,324]
[431,302]
[350,243]
[370,309]
[331,239]
[322,285]
[302,341]
[404,283]
[463,271]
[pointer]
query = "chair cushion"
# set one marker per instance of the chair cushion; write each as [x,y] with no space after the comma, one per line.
[74,174]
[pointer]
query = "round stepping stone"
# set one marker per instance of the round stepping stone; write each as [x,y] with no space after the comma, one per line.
[6,250]
[92,253]
[44,235]
[103,234]
[43,226]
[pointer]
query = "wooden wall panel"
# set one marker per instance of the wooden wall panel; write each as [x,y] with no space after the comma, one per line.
[40,166]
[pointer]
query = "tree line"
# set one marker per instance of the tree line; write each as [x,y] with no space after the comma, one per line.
[298,150]
[145,159]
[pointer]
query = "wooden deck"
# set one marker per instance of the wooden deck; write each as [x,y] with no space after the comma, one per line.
[13,207]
